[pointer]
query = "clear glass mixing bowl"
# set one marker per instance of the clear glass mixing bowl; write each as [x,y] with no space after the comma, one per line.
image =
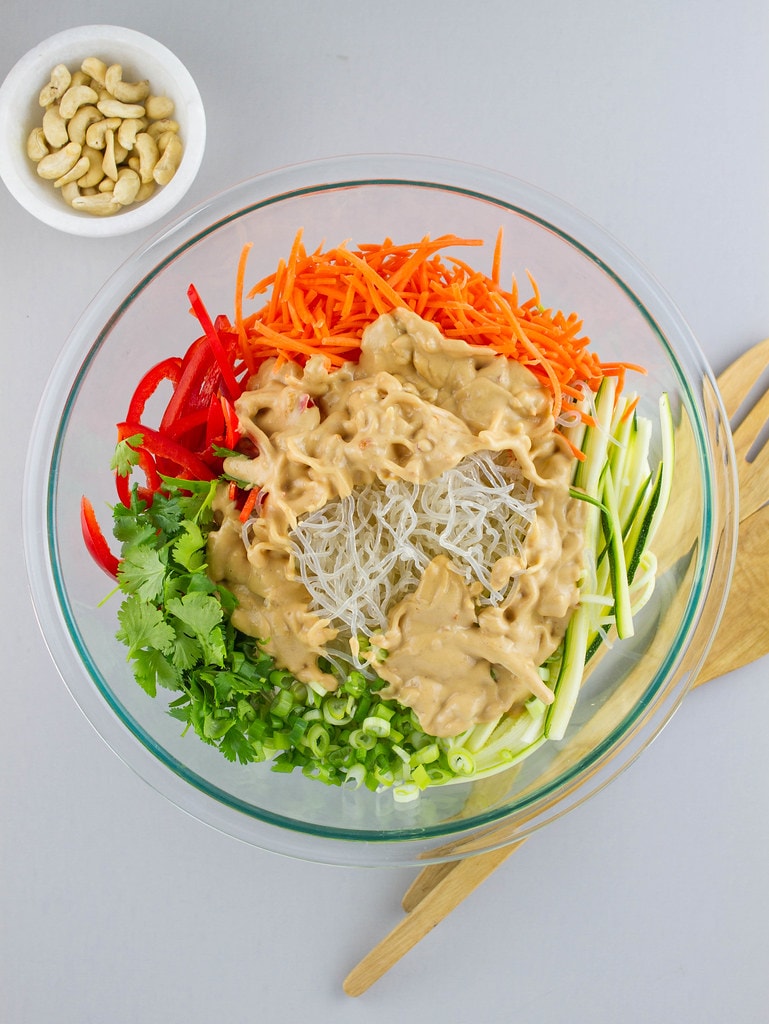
[141,316]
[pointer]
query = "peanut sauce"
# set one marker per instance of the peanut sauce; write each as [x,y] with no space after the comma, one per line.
[413,407]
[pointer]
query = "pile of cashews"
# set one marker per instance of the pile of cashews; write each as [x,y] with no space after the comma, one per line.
[104,143]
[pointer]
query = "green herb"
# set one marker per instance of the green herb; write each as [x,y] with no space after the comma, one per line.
[125,456]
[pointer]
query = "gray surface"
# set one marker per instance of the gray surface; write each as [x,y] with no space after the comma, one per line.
[647,904]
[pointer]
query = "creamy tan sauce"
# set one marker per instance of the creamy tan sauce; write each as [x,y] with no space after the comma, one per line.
[413,407]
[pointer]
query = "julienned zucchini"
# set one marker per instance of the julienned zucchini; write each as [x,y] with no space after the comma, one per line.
[617,532]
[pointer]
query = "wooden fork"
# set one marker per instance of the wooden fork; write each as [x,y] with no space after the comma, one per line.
[742,637]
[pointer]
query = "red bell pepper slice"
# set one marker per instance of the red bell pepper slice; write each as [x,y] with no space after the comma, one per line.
[197,384]
[184,425]
[168,369]
[154,483]
[214,425]
[95,540]
[225,365]
[232,431]
[161,446]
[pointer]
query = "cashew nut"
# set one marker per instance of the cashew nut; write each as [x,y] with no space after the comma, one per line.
[145,191]
[81,78]
[106,185]
[95,135]
[95,69]
[95,172]
[147,150]
[37,147]
[59,162]
[75,97]
[55,128]
[81,121]
[114,108]
[170,148]
[158,107]
[102,204]
[57,86]
[109,163]
[129,129]
[73,173]
[165,124]
[126,92]
[69,191]
[126,187]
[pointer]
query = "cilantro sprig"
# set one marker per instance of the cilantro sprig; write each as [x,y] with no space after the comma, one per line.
[173,617]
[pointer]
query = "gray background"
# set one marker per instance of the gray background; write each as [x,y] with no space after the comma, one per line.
[647,904]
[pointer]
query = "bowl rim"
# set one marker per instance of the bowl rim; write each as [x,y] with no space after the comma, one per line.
[204,802]
[15,169]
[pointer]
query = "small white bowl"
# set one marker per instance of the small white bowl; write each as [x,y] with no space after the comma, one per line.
[141,57]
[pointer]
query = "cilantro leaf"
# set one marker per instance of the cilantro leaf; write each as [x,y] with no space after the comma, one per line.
[188,650]
[143,626]
[153,669]
[142,571]
[201,615]
[236,747]
[227,453]
[125,456]
[189,548]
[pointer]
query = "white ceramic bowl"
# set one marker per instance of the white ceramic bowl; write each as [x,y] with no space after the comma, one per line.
[20,111]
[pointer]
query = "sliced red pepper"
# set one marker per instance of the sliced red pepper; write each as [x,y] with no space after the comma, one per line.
[225,365]
[232,431]
[187,424]
[95,540]
[154,483]
[168,369]
[161,446]
[197,384]
[214,425]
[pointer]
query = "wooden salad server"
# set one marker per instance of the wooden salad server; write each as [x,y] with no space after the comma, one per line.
[743,636]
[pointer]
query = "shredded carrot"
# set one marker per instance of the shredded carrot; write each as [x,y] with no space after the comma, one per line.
[321,302]
[497,258]
[248,504]
[239,279]
[630,408]
[575,451]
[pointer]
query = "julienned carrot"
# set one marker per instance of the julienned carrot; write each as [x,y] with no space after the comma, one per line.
[321,302]
[245,348]
[248,504]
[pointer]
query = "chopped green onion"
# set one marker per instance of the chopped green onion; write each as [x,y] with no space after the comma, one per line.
[461,761]
[337,710]
[376,726]
[406,792]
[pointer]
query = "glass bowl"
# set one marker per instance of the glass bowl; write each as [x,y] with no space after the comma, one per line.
[142,315]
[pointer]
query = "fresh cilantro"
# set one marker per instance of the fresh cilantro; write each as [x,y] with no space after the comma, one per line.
[125,456]
[189,548]
[200,616]
[153,669]
[142,571]
[143,625]
[227,453]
